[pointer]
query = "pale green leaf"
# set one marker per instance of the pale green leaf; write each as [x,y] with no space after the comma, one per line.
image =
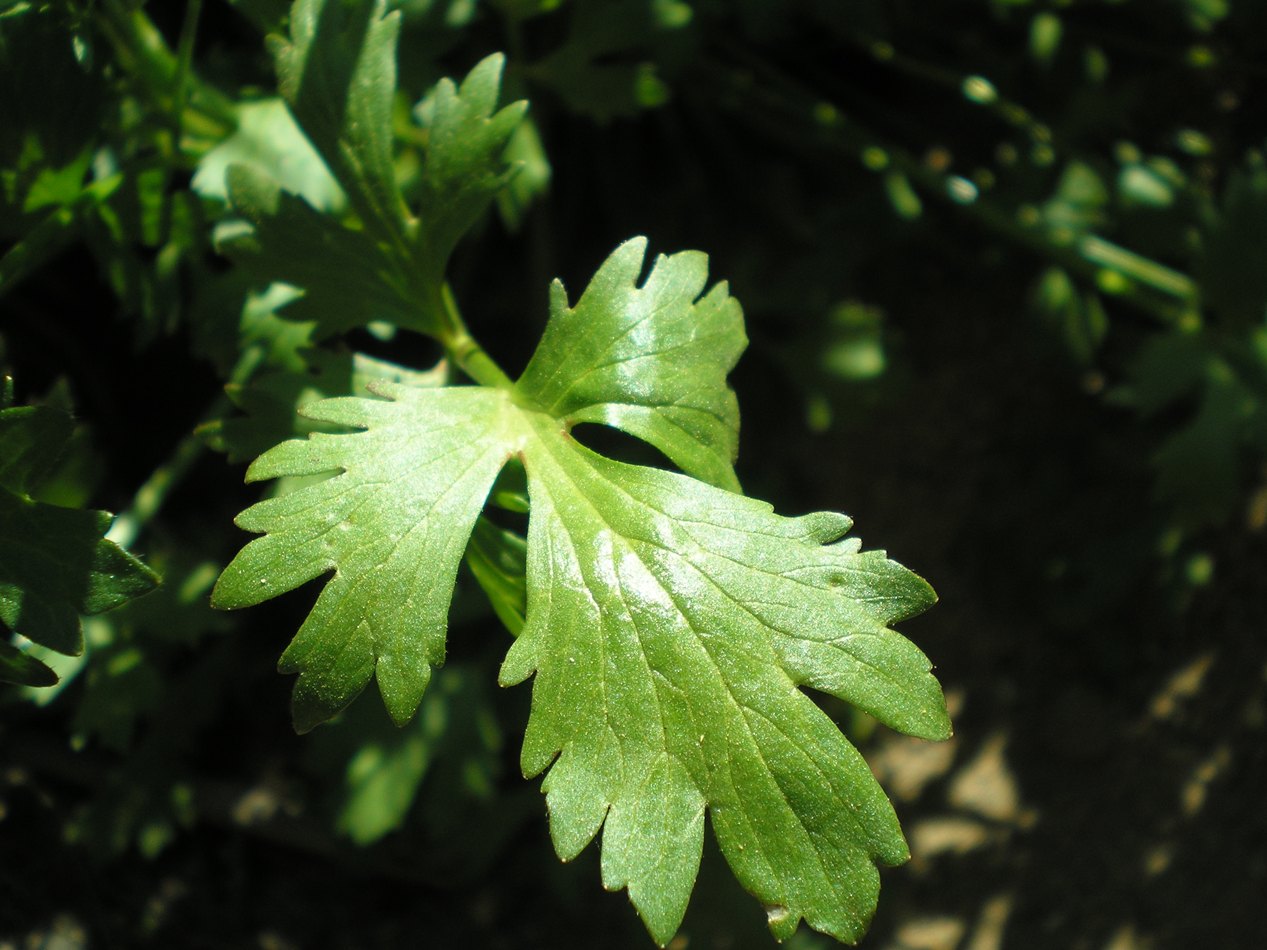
[669,623]
[268,140]
[651,359]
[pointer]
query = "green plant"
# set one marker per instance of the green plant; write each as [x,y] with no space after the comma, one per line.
[999,262]
[667,621]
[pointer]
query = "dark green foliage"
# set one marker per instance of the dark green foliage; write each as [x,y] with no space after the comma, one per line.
[55,563]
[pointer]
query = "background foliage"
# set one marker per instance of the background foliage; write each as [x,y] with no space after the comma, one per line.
[1001,265]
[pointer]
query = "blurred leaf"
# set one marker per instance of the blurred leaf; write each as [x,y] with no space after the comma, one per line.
[50,118]
[382,767]
[32,439]
[54,562]
[854,349]
[1230,269]
[268,141]
[21,669]
[1199,466]
[1205,15]
[499,560]
[530,178]
[1078,204]
[1074,317]
[121,687]
[1138,184]
[606,69]
[1045,31]
[266,15]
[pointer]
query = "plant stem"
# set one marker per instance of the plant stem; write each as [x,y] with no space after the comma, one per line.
[140,50]
[1166,294]
[149,498]
[463,349]
[184,64]
[154,492]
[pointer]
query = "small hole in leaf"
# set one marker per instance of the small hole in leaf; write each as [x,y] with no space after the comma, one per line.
[401,346]
[620,446]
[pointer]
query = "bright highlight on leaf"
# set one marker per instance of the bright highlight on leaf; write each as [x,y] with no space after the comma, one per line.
[669,622]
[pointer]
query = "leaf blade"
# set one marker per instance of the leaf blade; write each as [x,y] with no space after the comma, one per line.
[650,360]
[620,604]
[392,504]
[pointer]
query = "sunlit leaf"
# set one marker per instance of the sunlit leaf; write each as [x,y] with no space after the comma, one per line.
[668,622]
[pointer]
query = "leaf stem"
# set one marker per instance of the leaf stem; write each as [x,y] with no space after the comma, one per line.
[464,350]
[184,64]
[140,50]
[1167,295]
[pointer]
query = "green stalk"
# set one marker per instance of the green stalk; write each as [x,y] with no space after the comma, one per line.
[154,492]
[139,48]
[184,64]
[1166,294]
[463,349]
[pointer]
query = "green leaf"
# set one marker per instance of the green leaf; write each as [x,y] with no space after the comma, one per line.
[499,561]
[347,280]
[270,401]
[54,562]
[381,768]
[393,526]
[349,277]
[465,165]
[22,669]
[1234,242]
[268,140]
[651,360]
[338,72]
[1198,464]
[604,70]
[32,439]
[669,623]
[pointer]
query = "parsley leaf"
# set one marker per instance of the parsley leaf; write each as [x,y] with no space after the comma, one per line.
[55,563]
[338,74]
[465,158]
[655,367]
[669,622]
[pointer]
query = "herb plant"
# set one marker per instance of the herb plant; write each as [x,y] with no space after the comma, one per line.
[1000,263]
[667,622]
